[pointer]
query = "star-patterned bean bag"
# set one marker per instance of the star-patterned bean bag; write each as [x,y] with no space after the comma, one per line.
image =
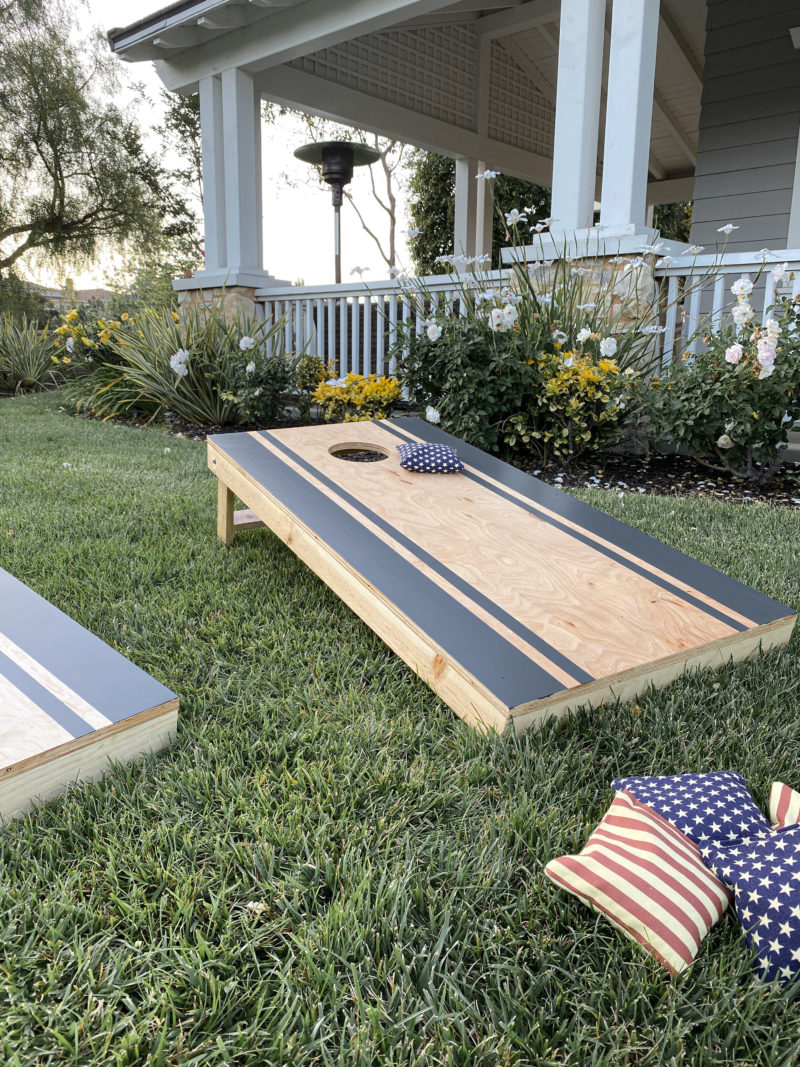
[429,458]
[707,807]
[764,874]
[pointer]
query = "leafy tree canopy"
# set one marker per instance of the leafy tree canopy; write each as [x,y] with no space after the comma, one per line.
[74,175]
[432,193]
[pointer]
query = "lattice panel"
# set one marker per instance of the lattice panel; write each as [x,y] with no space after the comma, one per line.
[518,113]
[430,70]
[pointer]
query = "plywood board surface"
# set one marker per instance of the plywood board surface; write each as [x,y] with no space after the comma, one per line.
[67,700]
[513,599]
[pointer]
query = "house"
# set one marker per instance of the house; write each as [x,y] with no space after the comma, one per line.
[628,103]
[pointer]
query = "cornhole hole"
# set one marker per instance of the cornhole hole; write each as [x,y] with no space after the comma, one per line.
[68,703]
[513,600]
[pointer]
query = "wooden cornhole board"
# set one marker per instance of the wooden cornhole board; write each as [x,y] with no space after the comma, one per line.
[513,600]
[68,703]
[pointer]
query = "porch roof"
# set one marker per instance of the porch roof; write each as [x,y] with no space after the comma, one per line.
[468,78]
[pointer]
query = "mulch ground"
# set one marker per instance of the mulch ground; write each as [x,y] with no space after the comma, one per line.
[669,475]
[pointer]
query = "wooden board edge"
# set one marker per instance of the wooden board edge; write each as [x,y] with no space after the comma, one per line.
[246,520]
[18,793]
[77,744]
[629,684]
[448,679]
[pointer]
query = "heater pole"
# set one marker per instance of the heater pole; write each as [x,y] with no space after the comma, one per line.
[337,241]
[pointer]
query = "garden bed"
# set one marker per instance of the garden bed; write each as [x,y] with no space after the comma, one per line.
[668,475]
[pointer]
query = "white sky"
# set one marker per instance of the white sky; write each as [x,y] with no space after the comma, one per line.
[298,222]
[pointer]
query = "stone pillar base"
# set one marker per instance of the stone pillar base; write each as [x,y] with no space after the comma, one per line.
[232,301]
[234,292]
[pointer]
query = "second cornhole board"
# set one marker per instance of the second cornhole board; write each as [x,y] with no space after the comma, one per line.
[513,600]
[69,704]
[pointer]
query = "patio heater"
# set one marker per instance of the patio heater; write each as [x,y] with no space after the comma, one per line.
[337,159]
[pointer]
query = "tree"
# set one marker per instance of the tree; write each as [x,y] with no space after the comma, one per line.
[674,221]
[180,131]
[432,185]
[74,175]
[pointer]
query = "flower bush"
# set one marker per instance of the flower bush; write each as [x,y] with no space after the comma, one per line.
[205,369]
[356,398]
[533,362]
[582,401]
[733,404]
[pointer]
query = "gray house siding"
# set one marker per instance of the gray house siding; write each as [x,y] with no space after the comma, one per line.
[749,121]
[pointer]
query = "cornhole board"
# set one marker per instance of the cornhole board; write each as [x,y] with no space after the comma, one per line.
[68,702]
[513,600]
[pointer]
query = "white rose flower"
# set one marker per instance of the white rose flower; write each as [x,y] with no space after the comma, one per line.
[766,371]
[432,415]
[583,335]
[250,367]
[608,347]
[742,314]
[779,271]
[742,287]
[773,329]
[246,343]
[434,331]
[734,353]
[725,442]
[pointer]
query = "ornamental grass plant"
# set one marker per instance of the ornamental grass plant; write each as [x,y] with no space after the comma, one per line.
[207,369]
[26,356]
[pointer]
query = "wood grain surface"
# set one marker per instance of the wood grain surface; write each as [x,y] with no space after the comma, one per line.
[532,600]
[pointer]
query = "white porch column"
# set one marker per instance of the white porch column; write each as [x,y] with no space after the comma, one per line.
[473,210]
[629,110]
[580,72]
[213,149]
[241,115]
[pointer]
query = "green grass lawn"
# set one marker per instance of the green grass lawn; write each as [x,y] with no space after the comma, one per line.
[394,857]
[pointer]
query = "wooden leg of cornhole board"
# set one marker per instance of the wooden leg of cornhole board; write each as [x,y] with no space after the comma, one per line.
[224,513]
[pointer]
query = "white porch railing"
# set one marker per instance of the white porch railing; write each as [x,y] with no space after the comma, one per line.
[355,325]
[698,288]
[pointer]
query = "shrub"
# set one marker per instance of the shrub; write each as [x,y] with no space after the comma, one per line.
[357,399]
[312,372]
[26,356]
[475,383]
[732,404]
[196,366]
[488,370]
[580,407]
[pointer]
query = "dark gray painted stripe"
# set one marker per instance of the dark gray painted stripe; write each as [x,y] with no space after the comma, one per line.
[469,591]
[705,579]
[493,661]
[663,583]
[101,676]
[43,698]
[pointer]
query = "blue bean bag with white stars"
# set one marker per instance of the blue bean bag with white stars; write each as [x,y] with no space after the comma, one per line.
[764,874]
[715,807]
[429,458]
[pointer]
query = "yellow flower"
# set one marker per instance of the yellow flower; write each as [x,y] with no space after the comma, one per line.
[124,316]
[175,316]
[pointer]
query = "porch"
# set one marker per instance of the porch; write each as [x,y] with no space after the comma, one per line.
[356,325]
